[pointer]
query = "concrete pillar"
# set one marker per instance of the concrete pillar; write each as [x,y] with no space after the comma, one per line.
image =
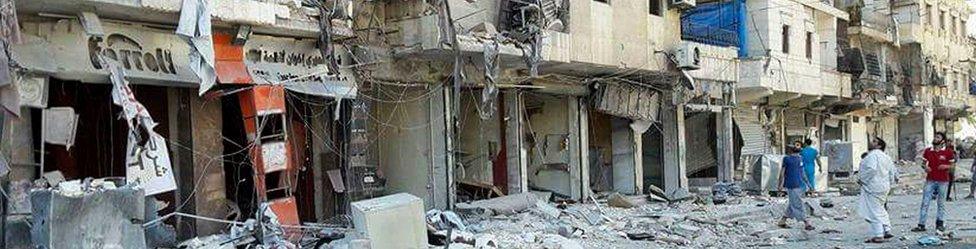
[442,144]
[17,146]
[726,156]
[182,156]
[675,177]
[517,160]
[208,167]
[579,176]
[624,167]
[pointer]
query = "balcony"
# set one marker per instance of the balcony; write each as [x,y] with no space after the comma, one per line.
[762,78]
[873,24]
[708,34]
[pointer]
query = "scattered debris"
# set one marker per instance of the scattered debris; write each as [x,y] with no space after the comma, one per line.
[443,220]
[618,200]
[640,236]
[510,204]
[548,209]
[930,240]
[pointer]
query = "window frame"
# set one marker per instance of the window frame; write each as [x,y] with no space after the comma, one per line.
[809,48]
[785,36]
[655,7]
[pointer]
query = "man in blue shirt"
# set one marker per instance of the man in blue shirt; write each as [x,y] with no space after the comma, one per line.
[793,179]
[811,163]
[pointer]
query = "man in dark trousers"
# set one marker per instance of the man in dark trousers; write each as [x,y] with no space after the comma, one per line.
[939,159]
[794,180]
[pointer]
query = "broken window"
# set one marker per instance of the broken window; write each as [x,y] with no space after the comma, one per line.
[655,7]
[786,39]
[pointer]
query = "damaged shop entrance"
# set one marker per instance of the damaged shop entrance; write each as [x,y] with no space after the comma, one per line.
[526,140]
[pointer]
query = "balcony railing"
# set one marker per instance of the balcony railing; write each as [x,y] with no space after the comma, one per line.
[707,34]
[871,85]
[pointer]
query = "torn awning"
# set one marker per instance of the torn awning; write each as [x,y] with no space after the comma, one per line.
[629,101]
[295,63]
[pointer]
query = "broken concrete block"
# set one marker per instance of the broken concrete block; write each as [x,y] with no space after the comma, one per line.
[686,230]
[99,219]
[509,204]
[640,236]
[548,209]
[556,241]
[618,200]
[393,221]
[485,241]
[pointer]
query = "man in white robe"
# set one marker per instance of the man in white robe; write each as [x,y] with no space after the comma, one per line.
[876,177]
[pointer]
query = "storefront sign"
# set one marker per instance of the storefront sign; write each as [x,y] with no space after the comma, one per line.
[298,64]
[64,50]
[148,165]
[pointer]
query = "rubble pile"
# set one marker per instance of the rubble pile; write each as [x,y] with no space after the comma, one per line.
[618,221]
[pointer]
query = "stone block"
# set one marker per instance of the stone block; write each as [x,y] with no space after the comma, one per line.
[393,221]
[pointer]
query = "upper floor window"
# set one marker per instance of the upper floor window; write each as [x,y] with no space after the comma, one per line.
[655,7]
[809,45]
[786,39]
[953,28]
[603,1]
[927,12]
[942,20]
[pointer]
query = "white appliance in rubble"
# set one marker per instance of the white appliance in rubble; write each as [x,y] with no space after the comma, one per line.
[688,55]
[840,156]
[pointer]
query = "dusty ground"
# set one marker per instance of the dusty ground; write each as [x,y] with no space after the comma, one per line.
[744,222]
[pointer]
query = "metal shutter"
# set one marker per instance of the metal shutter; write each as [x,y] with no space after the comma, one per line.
[754,136]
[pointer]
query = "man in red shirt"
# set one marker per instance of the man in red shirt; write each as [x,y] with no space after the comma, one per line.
[939,159]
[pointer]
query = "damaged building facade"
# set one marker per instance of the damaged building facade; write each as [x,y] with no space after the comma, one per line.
[569,97]
[227,107]
[328,114]
[911,61]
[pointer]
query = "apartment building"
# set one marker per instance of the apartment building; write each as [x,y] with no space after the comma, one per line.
[572,97]
[913,62]
[790,88]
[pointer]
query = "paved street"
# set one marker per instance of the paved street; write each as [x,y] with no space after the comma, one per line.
[904,208]
[744,222]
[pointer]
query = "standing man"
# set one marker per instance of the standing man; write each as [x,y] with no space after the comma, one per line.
[972,182]
[952,171]
[792,178]
[938,161]
[876,177]
[811,164]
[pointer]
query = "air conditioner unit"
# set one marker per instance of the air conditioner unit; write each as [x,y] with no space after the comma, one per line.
[688,56]
[682,4]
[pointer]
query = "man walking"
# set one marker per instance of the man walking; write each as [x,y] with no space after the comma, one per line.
[938,161]
[876,177]
[793,179]
[811,164]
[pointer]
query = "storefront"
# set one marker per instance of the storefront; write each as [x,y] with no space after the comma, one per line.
[211,140]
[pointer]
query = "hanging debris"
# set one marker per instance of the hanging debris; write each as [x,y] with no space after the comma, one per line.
[147,157]
[489,95]
[195,28]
